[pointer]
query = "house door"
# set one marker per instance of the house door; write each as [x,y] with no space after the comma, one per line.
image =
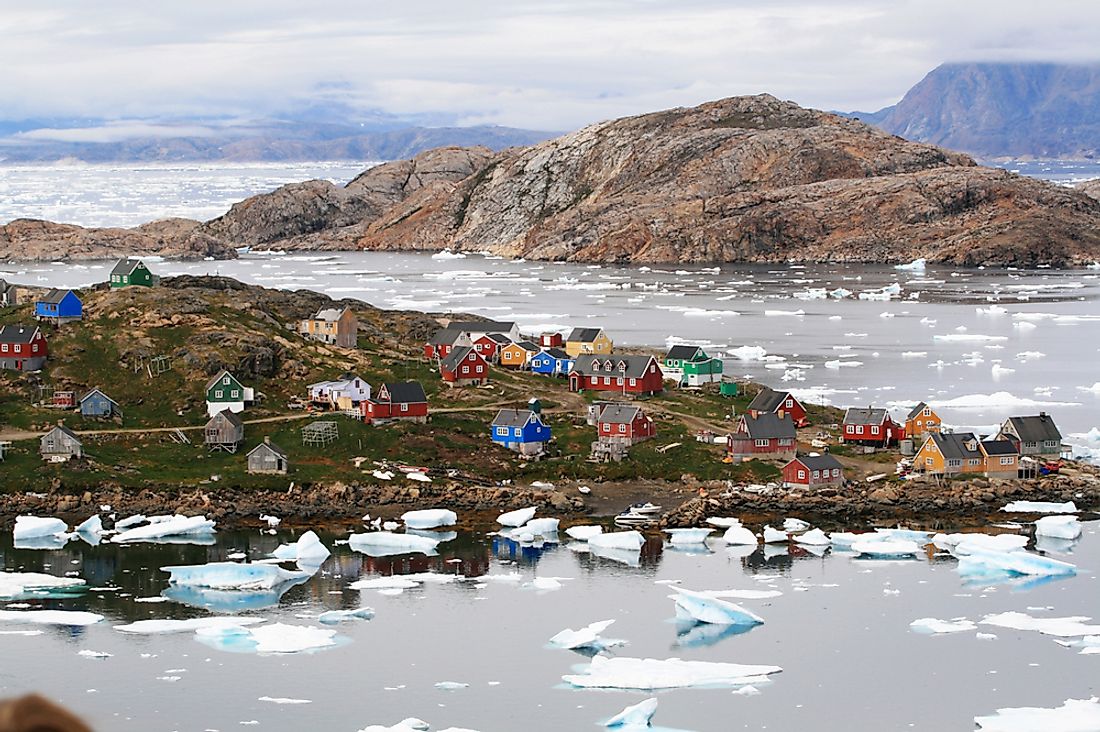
[574,382]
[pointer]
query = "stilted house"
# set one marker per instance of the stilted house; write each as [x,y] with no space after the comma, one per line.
[763,435]
[520,430]
[770,401]
[128,272]
[922,421]
[60,444]
[344,394]
[813,471]
[224,391]
[59,306]
[403,400]
[463,367]
[338,328]
[98,405]
[587,341]
[870,427]
[627,375]
[691,366]
[22,348]
[267,458]
[964,453]
[1034,435]
[224,431]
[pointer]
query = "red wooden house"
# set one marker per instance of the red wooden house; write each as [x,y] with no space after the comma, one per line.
[489,345]
[444,341]
[813,471]
[464,366]
[551,340]
[870,427]
[763,436]
[770,401]
[623,374]
[404,400]
[22,348]
[624,423]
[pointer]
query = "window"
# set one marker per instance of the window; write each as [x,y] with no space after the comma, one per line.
[235,394]
[918,423]
[4,348]
[850,429]
[954,463]
[225,380]
[927,412]
[218,394]
[502,431]
[633,382]
[652,369]
[836,472]
[607,380]
[790,403]
[619,381]
[472,357]
[1008,460]
[786,441]
[465,369]
[518,432]
[761,443]
[974,461]
[928,461]
[817,474]
[802,475]
[874,429]
[622,428]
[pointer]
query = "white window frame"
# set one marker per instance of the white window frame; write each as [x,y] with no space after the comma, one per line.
[874,429]
[1008,460]
[802,475]
[762,443]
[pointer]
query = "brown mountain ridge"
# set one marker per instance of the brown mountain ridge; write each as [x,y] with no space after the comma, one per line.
[744,179]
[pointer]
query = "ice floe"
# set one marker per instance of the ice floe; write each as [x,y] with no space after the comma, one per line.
[635,716]
[1069,627]
[885,547]
[167,625]
[813,537]
[935,626]
[583,533]
[673,673]
[232,576]
[632,540]
[165,527]
[705,608]
[50,617]
[431,518]
[276,638]
[740,536]
[1058,527]
[586,637]
[1040,507]
[332,617]
[15,584]
[35,527]
[1075,715]
[516,518]
[981,562]
[917,265]
[688,536]
[382,543]
[307,550]
[384,583]
[774,536]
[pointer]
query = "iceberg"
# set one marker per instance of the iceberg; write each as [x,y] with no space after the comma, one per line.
[92,526]
[813,537]
[130,521]
[277,638]
[885,548]
[935,627]
[1069,627]
[332,617]
[586,637]
[33,527]
[774,536]
[384,583]
[748,353]
[516,518]
[741,536]
[382,543]
[170,526]
[723,522]
[164,626]
[687,536]
[307,550]
[540,527]
[632,540]
[1058,527]
[583,533]
[229,600]
[1075,715]
[792,525]
[704,608]
[232,576]
[412,724]
[673,673]
[50,617]
[962,543]
[431,518]
[636,715]
[15,584]
[979,561]
[917,265]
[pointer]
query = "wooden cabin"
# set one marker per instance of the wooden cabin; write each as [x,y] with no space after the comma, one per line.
[267,458]
[224,431]
[338,328]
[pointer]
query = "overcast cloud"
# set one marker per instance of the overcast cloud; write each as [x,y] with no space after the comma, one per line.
[548,65]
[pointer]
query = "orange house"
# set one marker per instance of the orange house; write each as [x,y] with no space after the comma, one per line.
[518,355]
[921,422]
[963,453]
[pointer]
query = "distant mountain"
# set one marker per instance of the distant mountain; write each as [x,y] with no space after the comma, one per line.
[1001,110]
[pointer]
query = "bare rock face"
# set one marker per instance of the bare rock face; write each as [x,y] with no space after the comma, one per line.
[1090,188]
[31,239]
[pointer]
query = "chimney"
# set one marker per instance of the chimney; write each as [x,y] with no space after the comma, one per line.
[60,423]
[780,413]
[1043,414]
[267,439]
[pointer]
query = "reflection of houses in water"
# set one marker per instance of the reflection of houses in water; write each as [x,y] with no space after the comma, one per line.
[514,551]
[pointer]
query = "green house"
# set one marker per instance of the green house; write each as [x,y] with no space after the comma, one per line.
[225,392]
[128,272]
[691,366]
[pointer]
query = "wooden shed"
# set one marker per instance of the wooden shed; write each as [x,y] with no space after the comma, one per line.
[267,458]
[60,444]
[224,431]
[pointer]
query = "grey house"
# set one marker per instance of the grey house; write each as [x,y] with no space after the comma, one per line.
[7,294]
[60,444]
[97,404]
[1036,435]
[267,458]
[224,431]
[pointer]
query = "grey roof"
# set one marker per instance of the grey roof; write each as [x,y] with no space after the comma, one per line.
[555,353]
[819,462]
[768,400]
[445,337]
[455,357]
[229,416]
[868,415]
[684,353]
[99,391]
[634,367]
[618,413]
[916,411]
[498,338]
[955,445]
[999,447]
[768,426]
[584,335]
[405,392]
[483,326]
[126,266]
[528,345]
[329,314]
[66,431]
[513,417]
[1038,428]
[270,446]
[17,333]
[54,296]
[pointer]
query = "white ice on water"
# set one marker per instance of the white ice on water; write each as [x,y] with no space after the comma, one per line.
[885,548]
[386,540]
[13,584]
[586,637]
[813,537]
[307,550]
[430,518]
[1075,715]
[979,561]
[167,526]
[91,526]
[232,575]
[936,626]
[35,527]
[539,527]
[741,536]
[962,543]
[50,617]
[1058,527]
[583,533]
[705,608]
[631,540]
[332,617]
[723,522]
[384,583]
[672,673]
[166,625]
[774,536]
[1069,627]
[687,536]
[635,716]
[516,518]
[276,638]
[792,525]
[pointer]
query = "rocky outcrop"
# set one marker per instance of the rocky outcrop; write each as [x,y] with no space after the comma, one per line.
[1090,188]
[31,239]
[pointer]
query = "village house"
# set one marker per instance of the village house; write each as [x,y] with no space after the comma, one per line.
[1034,435]
[127,272]
[518,355]
[921,421]
[770,401]
[763,435]
[225,392]
[489,345]
[397,401]
[7,294]
[626,424]
[98,405]
[267,458]
[60,444]
[463,367]
[338,328]
[964,453]
[691,366]
[870,427]
[551,340]
[444,341]
[813,471]
[22,348]
[224,431]
[634,375]
[59,306]
[520,430]
[587,341]
[344,394]
[552,362]
[476,329]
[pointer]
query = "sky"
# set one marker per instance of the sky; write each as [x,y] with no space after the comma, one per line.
[537,65]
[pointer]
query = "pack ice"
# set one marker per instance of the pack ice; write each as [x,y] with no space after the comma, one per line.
[431,518]
[1040,507]
[274,638]
[516,518]
[164,626]
[1058,527]
[705,608]
[232,576]
[673,673]
[50,617]
[583,533]
[978,562]
[631,540]
[687,536]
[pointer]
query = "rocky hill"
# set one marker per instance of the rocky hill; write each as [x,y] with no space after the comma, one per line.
[1002,110]
[742,179]
[1090,187]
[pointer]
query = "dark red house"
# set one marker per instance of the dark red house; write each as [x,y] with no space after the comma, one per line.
[624,423]
[464,366]
[763,436]
[870,427]
[489,345]
[22,348]
[551,340]
[623,374]
[770,401]
[444,340]
[813,471]
[403,400]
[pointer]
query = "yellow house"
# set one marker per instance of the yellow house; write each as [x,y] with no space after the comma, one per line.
[922,421]
[584,341]
[518,355]
[332,326]
[963,453]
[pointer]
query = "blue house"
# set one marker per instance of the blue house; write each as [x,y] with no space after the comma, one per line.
[552,362]
[97,404]
[59,305]
[520,430]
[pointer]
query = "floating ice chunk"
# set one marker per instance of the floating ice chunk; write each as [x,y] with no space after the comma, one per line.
[1075,715]
[451,685]
[50,617]
[920,537]
[635,716]
[1069,627]
[34,527]
[839,364]
[283,700]
[795,524]
[723,522]
[704,608]
[431,518]
[774,536]
[886,548]
[332,617]
[780,313]
[999,370]
[586,637]
[672,673]
[748,353]
[1058,527]
[277,638]
[546,584]
[917,265]
[307,550]
[934,626]
[130,521]
[232,575]
[742,594]
[159,627]
[968,338]
[583,533]
[384,583]
[516,518]
[962,543]
[979,561]
[813,537]
[541,527]
[378,543]
[741,536]
[1040,507]
[618,540]
[412,724]
[886,293]
[688,536]
[94,654]
[14,584]
[91,526]
[169,527]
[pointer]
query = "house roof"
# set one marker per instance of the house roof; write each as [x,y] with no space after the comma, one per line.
[269,447]
[955,445]
[126,266]
[999,447]
[54,296]
[99,391]
[4,285]
[329,314]
[824,461]
[584,335]
[217,377]
[633,367]
[498,338]
[555,353]
[17,333]
[1037,428]
[768,400]
[65,431]
[768,426]
[454,358]
[865,415]
[685,353]
[619,413]
[916,411]
[229,417]
[445,337]
[527,345]
[514,417]
[405,392]
[481,326]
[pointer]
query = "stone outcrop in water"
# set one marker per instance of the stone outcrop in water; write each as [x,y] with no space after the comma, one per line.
[31,239]
[749,179]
